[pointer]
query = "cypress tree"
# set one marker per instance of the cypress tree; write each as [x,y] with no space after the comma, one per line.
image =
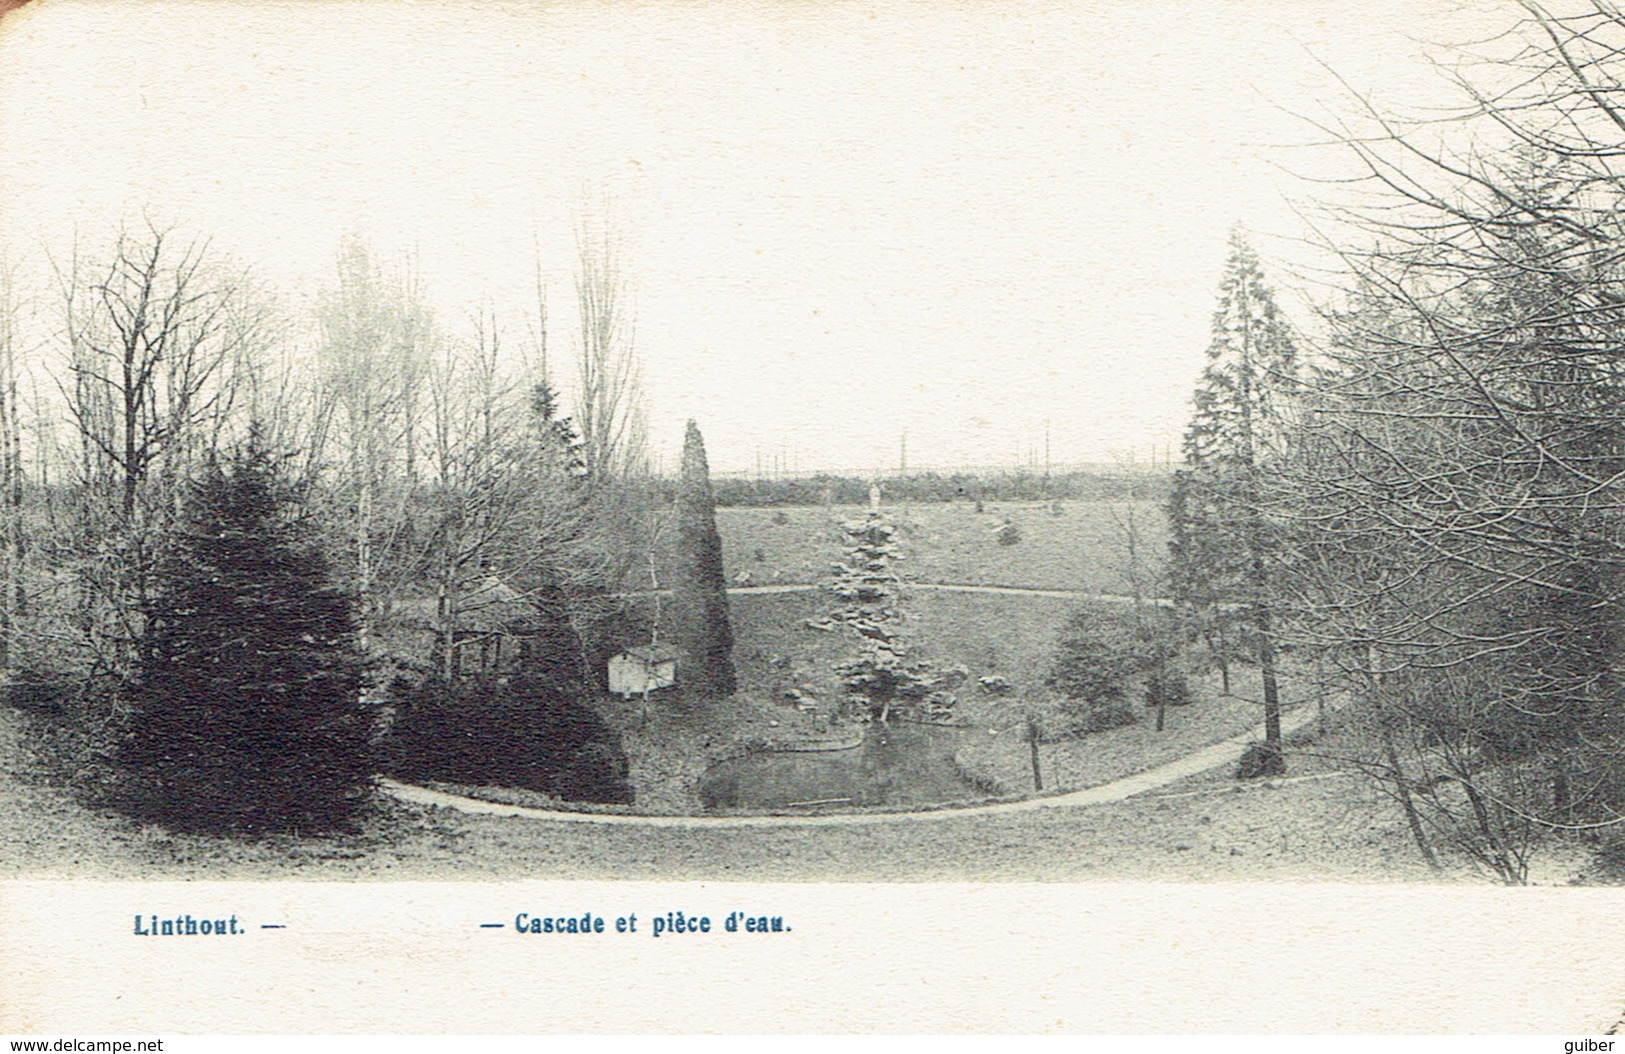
[700,627]
[246,711]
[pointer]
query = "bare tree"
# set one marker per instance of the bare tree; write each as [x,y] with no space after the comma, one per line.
[377,338]
[13,533]
[152,336]
[1459,492]
[609,396]
[501,494]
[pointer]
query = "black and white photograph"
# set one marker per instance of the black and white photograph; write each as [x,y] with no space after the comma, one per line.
[663,488]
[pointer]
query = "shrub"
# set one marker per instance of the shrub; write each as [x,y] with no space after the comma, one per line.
[1097,654]
[980,776]
[507,732]
[1093,717]
[33,689]
[1167,687]
[1060,719]
[246,713]
[1101,653]
[1259,760]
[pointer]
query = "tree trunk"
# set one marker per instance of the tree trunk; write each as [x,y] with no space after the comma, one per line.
[445,606]
[15,540]
[1274,762]
[1032,743]
[1406,802]
[1499,857]
[1219,657]
[363,548]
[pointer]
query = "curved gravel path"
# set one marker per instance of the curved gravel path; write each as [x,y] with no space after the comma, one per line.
[1225,751]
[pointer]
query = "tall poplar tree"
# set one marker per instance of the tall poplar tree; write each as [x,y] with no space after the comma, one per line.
[1222,543]
[699,624]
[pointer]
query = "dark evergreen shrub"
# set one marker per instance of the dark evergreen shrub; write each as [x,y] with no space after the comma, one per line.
[554,655]
[245,714]
[1099,651]
[507,732]
[1098,717]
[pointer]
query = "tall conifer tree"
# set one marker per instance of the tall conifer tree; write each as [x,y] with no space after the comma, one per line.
[699,622]
[1221,540]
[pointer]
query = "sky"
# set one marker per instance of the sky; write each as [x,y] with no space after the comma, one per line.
[975,223]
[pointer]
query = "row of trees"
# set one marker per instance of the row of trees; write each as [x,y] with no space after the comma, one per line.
[432,455]
[990,486]
[194,493]
[1426,490]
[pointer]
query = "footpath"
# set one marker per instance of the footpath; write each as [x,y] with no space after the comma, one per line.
[1224,752]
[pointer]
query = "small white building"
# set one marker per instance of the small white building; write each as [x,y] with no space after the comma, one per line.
[646,668]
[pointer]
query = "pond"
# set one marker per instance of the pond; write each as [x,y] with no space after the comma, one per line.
[894,765]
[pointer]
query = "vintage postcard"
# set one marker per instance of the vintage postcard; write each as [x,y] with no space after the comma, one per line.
[572,516]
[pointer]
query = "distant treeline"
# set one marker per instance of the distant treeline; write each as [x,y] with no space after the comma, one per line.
[929,486]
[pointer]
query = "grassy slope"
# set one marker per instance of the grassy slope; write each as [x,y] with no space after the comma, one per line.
[1208,827]
[1080,549]
[1008,636]
[1011,636]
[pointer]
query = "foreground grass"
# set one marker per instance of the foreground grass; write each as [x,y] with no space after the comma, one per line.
[1207,828]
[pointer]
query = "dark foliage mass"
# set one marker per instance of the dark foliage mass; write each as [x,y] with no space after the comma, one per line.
[1165,687]
[1098,653]
[554,658]
[507,732]
[700,626]
[245,713]
[1102,653]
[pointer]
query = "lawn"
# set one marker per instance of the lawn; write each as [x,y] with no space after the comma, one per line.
[782,661]
[1082,547]
[1011,636]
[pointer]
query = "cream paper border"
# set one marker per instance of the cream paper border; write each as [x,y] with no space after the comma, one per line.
[411,957]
